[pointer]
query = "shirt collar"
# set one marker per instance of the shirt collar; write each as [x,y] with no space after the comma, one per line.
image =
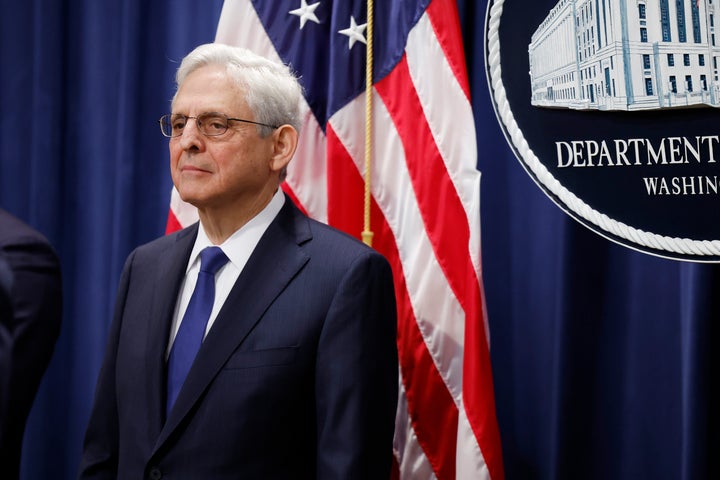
[246,236]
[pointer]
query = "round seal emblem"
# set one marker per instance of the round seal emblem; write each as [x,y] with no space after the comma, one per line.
[612,107]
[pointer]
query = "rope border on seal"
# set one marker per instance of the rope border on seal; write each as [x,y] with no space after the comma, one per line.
[685,246]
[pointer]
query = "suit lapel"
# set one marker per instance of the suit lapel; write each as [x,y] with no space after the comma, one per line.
[172,264]
[272,265]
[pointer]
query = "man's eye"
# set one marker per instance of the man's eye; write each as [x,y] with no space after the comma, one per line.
[214,124]
[178,124]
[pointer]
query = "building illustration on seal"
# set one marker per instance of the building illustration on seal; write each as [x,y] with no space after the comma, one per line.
[626,55]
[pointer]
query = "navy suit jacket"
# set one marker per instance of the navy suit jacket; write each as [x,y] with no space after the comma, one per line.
[297,378]
[30,315]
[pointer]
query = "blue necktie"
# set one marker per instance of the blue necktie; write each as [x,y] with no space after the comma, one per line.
[192,328]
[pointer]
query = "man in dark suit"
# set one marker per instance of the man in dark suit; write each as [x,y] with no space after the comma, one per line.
[30,314]
[296,377]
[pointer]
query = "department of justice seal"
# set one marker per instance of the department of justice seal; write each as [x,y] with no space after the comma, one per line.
[612,107]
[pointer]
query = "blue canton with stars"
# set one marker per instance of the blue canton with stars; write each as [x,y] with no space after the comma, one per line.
[324,43]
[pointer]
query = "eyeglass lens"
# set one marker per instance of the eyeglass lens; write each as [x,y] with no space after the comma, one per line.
[210,124]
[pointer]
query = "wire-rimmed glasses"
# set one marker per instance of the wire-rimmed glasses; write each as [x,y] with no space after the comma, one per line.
[210,124]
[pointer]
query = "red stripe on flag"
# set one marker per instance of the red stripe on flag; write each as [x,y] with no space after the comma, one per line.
[478,391]
[287,189]
[445,221]
[345,188]
[172,223]
[446,24]
[433,413]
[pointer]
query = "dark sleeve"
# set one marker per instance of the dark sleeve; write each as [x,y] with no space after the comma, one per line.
[100,448]
[6,279]
[30,316]
[357,375]
[6,312]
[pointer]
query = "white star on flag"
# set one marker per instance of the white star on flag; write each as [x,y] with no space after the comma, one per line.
[306,12]
[354,33]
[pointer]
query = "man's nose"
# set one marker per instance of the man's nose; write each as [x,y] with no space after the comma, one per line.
[191,136]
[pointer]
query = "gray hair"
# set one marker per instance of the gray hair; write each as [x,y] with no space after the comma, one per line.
[272,91]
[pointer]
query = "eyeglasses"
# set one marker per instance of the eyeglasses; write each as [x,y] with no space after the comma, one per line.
[210,124]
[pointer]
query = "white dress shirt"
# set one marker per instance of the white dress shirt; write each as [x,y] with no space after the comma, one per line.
[238,248]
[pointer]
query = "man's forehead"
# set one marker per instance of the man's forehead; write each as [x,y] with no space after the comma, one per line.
[209,88]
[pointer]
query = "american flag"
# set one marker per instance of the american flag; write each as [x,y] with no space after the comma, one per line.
[425,211]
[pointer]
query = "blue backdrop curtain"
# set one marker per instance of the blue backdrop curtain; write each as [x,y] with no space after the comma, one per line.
[82,159]
[602,356]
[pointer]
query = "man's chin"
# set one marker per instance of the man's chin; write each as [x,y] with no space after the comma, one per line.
[194,199]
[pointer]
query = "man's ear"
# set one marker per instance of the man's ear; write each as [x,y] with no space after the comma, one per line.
[285,140]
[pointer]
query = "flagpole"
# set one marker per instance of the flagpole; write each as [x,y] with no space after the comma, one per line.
[367,234]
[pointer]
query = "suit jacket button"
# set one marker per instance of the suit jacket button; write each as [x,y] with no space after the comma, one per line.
[155,474]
